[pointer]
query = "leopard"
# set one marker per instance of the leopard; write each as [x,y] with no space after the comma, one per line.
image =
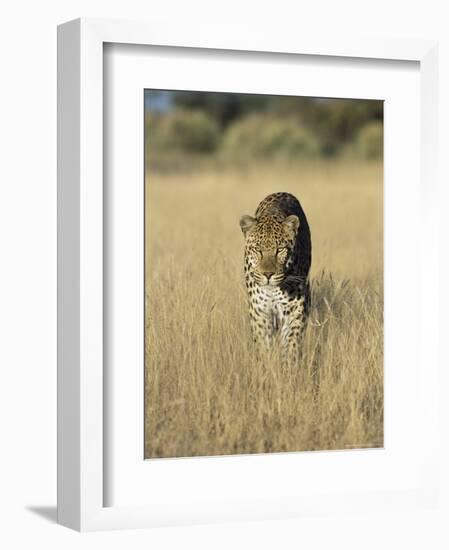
[277,260]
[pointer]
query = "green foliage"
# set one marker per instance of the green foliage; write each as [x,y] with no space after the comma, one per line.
[334,122]
[369,141]
[182,130]
[249,125]
[260,135]
[224,108]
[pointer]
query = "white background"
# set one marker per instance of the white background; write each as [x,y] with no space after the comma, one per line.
[28,271]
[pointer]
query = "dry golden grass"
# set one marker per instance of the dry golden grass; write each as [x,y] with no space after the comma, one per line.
[206,394]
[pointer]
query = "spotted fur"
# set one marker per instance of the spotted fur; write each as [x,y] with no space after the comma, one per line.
[277,260]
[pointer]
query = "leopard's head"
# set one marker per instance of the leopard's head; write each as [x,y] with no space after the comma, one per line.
[269,247]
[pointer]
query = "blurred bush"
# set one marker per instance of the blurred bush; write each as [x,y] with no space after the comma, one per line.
[336,122]
[182,130]
[225,108]
[188,128]
[333,122]
[259,135]
[369,141]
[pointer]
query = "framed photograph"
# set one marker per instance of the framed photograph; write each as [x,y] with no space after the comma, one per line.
[247,267]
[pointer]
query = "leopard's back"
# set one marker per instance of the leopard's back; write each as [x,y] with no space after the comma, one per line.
[279,206]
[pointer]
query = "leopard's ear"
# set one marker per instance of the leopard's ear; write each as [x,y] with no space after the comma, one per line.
[246,222]
[291,225]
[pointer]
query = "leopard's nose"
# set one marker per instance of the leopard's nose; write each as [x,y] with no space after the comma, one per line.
[268,274]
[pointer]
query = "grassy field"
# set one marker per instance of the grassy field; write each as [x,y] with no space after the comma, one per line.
[205,392]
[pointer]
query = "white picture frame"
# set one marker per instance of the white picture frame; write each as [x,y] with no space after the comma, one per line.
[81,407]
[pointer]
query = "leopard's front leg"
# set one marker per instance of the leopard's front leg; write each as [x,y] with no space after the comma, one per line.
[261,320]
[262,317]
[293,325]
